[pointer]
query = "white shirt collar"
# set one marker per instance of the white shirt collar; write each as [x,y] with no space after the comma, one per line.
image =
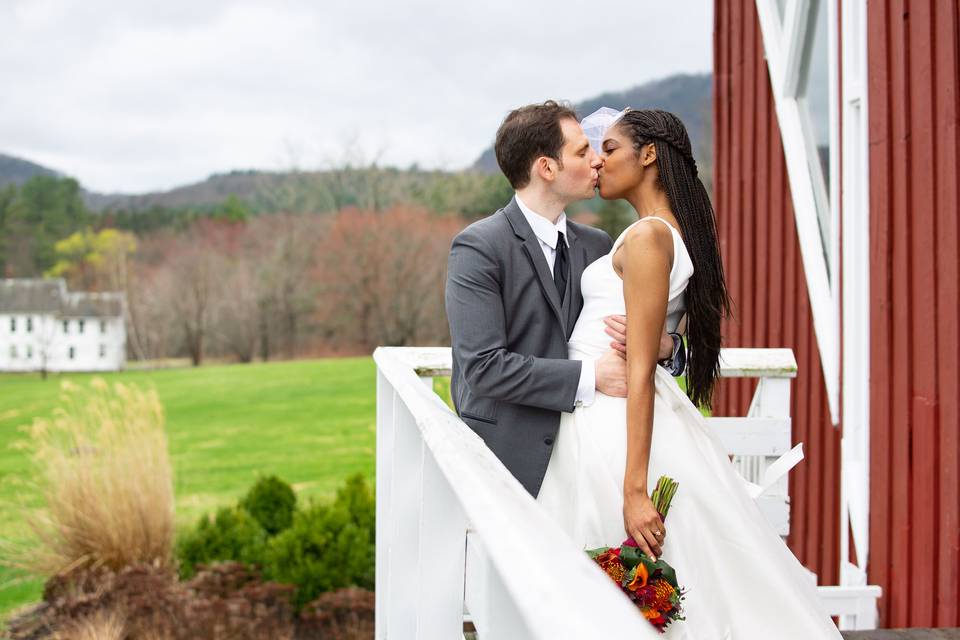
[545,230]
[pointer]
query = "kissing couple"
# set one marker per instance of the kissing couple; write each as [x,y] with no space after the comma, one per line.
[565,348]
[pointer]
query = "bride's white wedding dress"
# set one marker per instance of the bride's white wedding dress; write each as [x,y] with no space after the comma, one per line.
[742,581]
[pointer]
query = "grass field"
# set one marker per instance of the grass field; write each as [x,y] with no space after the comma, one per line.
[311,423]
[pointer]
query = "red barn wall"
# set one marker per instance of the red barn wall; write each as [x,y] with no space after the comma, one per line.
[914,138]
[914,109]
[764,271]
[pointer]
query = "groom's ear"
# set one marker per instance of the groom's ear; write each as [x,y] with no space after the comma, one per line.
[546,168]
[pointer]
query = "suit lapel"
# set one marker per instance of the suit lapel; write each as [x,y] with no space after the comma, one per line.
[531,246]
[572,300]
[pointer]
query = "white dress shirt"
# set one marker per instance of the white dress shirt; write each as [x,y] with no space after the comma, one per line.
[548,234]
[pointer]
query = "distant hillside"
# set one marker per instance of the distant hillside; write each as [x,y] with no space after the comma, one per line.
[246,185]
[17,171]
[687,95]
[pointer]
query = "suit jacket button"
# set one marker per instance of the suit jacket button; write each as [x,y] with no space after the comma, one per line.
[548,440]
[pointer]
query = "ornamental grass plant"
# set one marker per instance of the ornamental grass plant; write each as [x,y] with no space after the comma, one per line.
[100,625]
[105,481]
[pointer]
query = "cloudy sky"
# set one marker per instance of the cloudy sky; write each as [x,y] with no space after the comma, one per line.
[134,96]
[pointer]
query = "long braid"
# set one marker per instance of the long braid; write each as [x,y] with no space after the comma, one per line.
[707,301]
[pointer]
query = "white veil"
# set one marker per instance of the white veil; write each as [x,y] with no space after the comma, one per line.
[597,123]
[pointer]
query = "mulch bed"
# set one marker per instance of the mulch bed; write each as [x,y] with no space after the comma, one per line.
[224,601]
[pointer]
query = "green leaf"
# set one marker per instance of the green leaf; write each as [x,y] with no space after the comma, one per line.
[593,553]
[630,556]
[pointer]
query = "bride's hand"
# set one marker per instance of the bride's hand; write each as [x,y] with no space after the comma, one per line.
[642,522]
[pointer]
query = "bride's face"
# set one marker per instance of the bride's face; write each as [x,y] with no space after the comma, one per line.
[623,169]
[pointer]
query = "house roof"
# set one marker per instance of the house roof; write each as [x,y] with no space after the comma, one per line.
[92,304]
[22,295]
[50,296]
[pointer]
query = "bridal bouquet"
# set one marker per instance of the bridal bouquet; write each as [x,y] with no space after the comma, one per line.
[652,586]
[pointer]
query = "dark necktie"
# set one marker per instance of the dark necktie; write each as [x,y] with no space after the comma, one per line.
[561,266]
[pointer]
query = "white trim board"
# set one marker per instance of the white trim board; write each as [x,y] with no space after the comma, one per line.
[855,289]
[784,49]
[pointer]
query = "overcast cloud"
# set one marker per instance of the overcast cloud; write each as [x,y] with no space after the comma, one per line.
[135,96]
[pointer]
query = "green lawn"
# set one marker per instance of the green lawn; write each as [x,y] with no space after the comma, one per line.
[312,423]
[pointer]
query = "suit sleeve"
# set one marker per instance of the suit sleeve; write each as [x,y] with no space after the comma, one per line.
[605,241]
[475,312]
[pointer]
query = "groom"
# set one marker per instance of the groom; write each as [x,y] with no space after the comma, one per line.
[513,296]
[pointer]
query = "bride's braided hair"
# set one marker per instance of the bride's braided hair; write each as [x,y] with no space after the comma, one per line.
[706,295]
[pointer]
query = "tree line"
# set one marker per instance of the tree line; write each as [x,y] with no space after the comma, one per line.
[239,281]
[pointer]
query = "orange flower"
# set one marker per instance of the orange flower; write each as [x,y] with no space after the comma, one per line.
[663,592]
[615,572]
[640,579]
[609,561]
[650,613]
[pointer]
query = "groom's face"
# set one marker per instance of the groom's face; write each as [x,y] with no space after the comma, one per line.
[577,180]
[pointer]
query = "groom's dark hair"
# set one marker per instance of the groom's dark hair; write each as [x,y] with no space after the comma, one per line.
[528,133]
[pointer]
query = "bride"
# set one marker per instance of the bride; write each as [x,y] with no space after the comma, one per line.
[742,581]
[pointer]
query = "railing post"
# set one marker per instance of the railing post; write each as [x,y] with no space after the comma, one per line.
[773,401]
[443,531]
[406,509]
[493,611]
[386,399]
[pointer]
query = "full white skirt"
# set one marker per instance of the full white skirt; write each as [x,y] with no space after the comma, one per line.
[742,581]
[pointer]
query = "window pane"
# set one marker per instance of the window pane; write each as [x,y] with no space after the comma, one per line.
[815,106]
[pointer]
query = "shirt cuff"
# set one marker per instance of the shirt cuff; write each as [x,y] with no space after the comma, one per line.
[587,389]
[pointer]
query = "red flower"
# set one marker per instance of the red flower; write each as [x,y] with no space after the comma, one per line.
[609,561]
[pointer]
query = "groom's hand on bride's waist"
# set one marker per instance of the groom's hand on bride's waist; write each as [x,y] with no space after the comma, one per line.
[617,329]
[611,374]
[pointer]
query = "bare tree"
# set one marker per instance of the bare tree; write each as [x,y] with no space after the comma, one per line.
[383,276]
[191,283]
[237,305]
[287,294]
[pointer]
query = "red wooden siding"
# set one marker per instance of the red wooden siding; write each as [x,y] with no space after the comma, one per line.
[914,78]
[765,274]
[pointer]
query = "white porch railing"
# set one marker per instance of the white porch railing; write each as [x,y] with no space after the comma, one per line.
[456,532]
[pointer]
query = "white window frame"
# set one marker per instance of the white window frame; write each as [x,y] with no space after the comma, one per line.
[784,45]
[855,203]
[849,288]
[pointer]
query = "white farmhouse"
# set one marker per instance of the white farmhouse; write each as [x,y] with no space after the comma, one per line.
[43,326]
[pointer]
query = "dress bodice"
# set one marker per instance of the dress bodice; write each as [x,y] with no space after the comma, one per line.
[602,291]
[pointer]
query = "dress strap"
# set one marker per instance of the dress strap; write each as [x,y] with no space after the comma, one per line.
[672,228]
[623,235]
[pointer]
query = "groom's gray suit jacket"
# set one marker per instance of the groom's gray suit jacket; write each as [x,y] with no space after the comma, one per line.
[511,376]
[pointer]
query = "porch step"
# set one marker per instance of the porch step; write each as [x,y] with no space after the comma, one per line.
[875,634]
[903,634]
